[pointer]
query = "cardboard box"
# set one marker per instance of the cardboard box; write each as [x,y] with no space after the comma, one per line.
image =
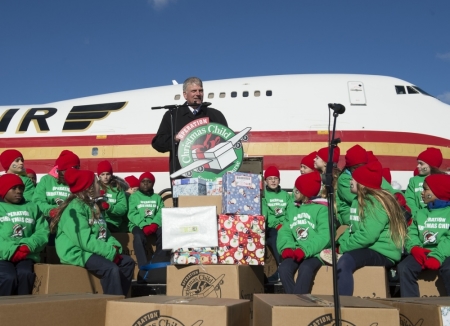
[241,193]
[189,187]
[241,239]
[421,311]
[370,282]
[431,284]
[178,311]
[309,310]
[54,279]
[196,201]
[198,256]
[252,164]
[55,309]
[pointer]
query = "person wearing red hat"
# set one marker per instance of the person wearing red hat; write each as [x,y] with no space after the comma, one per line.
[320,164]
[274,206]
[304,234]
[355,157]
[115,214]
[83,238]
[133,184]
[12,161]
[144,214]
[32,176]
[23,233]
[428,162]
[307,163]
[377,228]
[428,237]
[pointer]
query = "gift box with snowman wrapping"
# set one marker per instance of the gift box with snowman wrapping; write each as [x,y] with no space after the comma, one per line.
[196,256]
[241,239]
[241,193]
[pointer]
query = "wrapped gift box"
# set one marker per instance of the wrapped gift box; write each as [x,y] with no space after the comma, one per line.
[189,187]
[197,256]
[241,193]
[241,239]
[214,188]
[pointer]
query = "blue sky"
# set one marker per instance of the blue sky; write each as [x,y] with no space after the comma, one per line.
[55,50]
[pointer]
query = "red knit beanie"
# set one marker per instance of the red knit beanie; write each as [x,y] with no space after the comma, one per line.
[439,185]
[9,156]
[356,155]
[78,180]
[66,160]
[30,171]
[104,166]
[369,175]
[271,171]
[132,181]
[308,160]
[8,181]
[387,174]
[432,156]
[147,175]
[323,154]
[309,184]
[371,157]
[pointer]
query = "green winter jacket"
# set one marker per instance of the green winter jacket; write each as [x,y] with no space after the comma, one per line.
[49,194]
[274,206]
[79,236]
[118,206]
[413,194]
[430,230]
[305,227]
[144,210]
[29,188]
[373,232]
[22,224]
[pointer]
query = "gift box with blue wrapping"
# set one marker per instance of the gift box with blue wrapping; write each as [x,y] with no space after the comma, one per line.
[241,193]
[189,187]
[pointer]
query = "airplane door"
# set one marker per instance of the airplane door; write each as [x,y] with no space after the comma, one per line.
[356,93]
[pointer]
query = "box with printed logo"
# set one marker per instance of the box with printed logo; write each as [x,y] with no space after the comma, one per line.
[241,239]
[189,187]
[197,256]
[241,193]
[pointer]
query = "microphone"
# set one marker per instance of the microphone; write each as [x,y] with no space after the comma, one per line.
[338,108]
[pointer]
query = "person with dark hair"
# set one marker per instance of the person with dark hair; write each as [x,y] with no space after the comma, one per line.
[23,234]
[32,176]
[83,238]
[193,94]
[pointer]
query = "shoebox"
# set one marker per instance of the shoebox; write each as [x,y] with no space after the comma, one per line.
[378,287]
[308,310]
[144,289]
[188,187]
[241,239]
[214,188]
[241,193]
[55,309]
[421,311]
[431,284]
[198,256]
[189,227]
[196,201]
[54,279]
[178,311]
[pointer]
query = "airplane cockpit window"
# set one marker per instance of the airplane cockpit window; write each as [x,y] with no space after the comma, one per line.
[233,94]
[421,91]
[257,93]
[268,93]
[411,90]
[177,97]
[222,95]
[211,95]
[245,94]
[400,89]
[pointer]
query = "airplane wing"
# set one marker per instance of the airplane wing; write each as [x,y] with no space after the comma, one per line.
[190,167]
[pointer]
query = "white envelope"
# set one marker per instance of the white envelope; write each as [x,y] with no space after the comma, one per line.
[189,227]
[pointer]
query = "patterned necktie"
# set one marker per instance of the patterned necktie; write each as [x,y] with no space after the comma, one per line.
[195,112]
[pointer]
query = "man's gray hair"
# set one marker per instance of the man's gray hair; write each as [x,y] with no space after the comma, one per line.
[192,80]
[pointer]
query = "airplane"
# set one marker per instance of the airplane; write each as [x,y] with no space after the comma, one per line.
[288,116]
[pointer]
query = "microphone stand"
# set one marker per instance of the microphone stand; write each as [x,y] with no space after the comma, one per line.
[338,109]
[172,108]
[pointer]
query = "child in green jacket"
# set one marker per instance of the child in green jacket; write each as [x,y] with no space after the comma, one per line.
[13,162]
[428,239]
[83,238]
[304,234]
[23,235]
[115,197]
[377,228]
